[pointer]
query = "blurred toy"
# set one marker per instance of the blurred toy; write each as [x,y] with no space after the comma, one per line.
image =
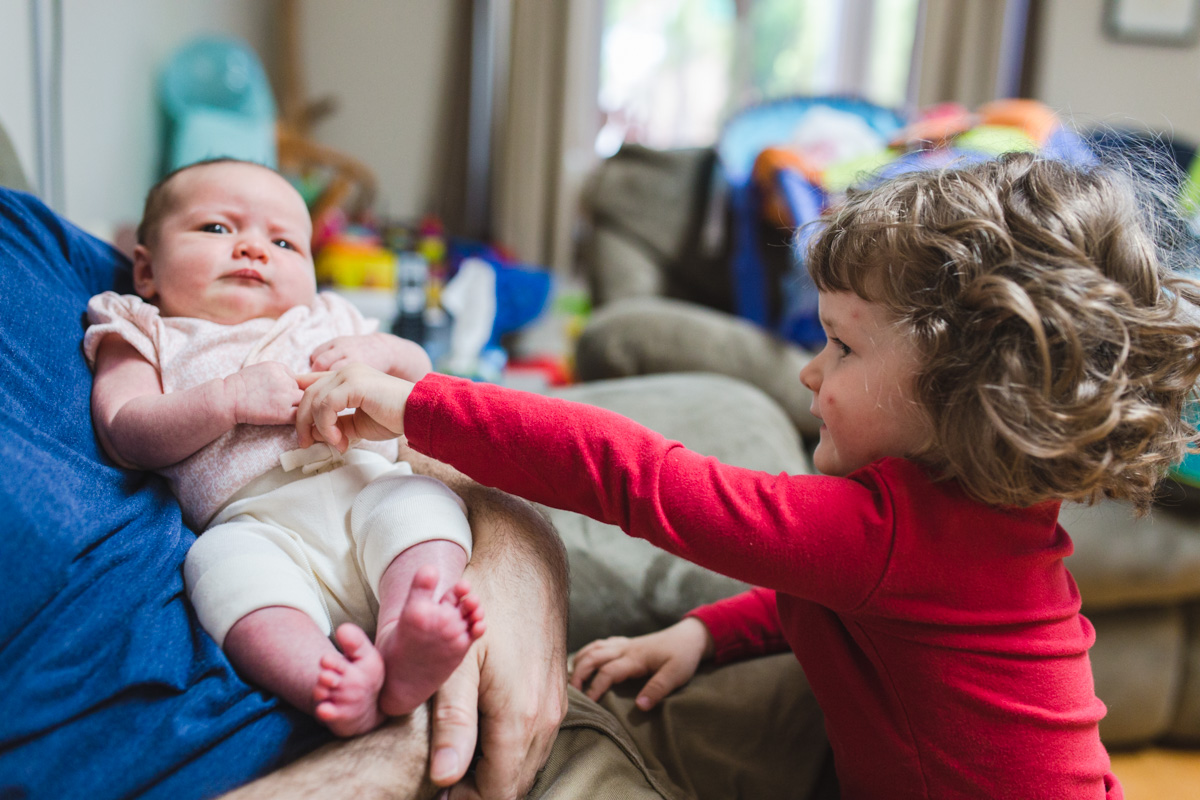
[470,299]
[543,351]
[412,276]
[935,126]
[791,186]
[356,260]
[745,136]
[217,102]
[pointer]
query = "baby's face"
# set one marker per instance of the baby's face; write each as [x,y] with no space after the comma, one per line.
[234,246]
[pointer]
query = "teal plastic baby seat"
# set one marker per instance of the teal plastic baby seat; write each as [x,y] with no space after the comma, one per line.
[217,103]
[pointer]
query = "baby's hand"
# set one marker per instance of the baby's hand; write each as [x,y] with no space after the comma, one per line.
[383,351]
[378,401]
[672,655]
[264,394]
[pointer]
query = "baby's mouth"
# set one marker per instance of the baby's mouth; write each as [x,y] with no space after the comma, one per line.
[247,275]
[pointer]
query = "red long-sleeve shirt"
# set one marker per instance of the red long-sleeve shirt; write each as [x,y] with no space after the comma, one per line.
[941,637]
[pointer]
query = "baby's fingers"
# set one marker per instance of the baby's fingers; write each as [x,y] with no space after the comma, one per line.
[318,412]
[330,360]
[309,378]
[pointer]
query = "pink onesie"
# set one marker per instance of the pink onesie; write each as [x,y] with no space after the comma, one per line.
[188,352]
[273,537]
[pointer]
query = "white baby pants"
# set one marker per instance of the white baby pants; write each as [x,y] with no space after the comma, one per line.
[317,543]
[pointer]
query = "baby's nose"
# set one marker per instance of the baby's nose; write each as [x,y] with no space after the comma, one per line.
[251,248]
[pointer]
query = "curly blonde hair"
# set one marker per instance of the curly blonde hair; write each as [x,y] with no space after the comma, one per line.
[1058,336]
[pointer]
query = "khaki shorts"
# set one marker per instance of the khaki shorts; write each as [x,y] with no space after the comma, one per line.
[751,729]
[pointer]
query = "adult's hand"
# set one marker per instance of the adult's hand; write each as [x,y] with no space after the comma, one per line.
[509,694]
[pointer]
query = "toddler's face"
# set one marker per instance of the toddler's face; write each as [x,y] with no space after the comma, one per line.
[234,246]
[862,387]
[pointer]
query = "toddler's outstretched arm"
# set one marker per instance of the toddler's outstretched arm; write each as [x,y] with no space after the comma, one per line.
[142,428]
[672,655]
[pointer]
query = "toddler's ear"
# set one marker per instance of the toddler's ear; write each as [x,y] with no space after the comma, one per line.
[143,273]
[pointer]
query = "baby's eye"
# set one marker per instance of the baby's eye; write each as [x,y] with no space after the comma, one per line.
[285,244]
[214,227]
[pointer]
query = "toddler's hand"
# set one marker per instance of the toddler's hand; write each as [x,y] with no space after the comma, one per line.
[378,401]
[383,351]
[672,655]
[264,394]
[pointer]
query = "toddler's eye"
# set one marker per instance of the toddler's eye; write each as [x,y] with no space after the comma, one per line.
[284,243]
[214,227]
[840,345]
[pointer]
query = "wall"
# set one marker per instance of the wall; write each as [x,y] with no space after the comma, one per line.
[1095,80]
[394,69]
[111,54]
[390,64]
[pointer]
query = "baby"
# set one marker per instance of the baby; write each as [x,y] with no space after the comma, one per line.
[198,378]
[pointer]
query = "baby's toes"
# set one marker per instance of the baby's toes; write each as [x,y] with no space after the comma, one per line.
[471,607]
[335,663]
[330,679]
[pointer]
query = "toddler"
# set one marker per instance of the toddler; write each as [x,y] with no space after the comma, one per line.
[197,378]
[1002,337]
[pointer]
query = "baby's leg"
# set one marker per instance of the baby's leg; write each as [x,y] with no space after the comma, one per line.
[426,623]
[283,650]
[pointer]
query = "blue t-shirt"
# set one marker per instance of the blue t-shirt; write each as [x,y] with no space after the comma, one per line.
[111,688]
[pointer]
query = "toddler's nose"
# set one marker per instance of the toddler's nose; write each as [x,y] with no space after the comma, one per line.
[810,376]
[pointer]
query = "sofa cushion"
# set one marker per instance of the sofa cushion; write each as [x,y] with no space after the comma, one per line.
[1138,663]
[650,335]
[110,687]
[1123,561]
[618,267]
[621,585]
[656,197]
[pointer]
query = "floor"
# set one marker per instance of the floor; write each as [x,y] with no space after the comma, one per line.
[1159,774]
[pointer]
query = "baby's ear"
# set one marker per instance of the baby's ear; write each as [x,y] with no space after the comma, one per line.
[143,273]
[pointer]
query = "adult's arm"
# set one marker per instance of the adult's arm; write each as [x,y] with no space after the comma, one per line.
[388,762]
[509,694]
[511,690]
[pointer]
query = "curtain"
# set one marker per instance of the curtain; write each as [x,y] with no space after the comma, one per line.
[969,51]
[547,121]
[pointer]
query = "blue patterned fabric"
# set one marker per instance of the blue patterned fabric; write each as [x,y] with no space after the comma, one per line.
[111,689]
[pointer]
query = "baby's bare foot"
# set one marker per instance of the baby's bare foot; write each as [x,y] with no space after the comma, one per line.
[347,690]
[427,642]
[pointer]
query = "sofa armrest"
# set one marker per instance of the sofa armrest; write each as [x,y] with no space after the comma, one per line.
[11,174]
[625,586]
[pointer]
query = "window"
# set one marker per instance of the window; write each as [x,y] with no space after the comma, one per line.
[672,71]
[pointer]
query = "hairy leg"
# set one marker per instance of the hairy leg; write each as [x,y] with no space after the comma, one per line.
[390,761]
[425,628]
[283,650]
